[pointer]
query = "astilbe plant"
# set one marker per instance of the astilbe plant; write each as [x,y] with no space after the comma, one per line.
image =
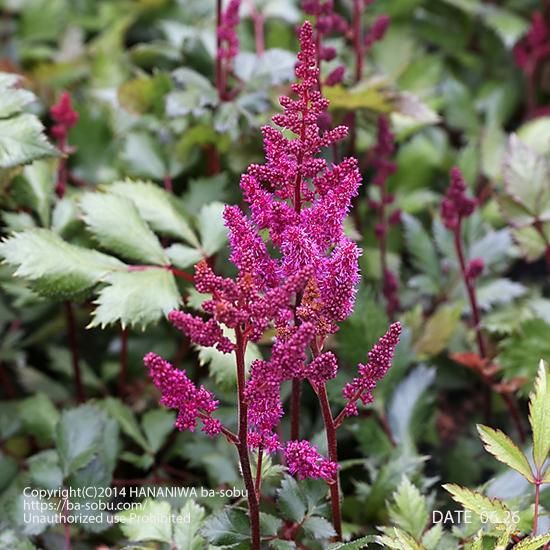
[530,54]
[455,208]
[384,166]
[227,44]
[304,289]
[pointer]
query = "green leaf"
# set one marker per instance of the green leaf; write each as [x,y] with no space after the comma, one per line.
[521,352]
[539,415]
[319,528]
[136,298]
[14,98]
[493,510]
[367,95]
[526,177]
[146,523]
[158,424]
[227,528]
[38,184]
[157,207]
[186,535]
[58,269]
[504,449]
[398,539]
[421,247]
[356,544]
[212,229]
[78,436]
[126,420]
[22,140]
[116,223]
[142,156]
[183,256]
[221,366]
[39,417]
[45,470]
[438,330]
[498,291]
[532,543]
[409,509]
[290,500]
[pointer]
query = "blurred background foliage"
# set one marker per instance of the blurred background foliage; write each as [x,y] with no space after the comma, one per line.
[141,75]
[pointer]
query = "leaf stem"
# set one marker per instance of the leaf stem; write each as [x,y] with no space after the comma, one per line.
[73,344]
[242,445]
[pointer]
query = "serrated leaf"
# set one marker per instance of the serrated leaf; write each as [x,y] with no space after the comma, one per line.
[319,528]
[157,208]
[78,436]
[227,528]
[504,449]
[186,535]
[136,298]
[38,181]
[183,256]
[421,247]
[22,140]
[146,523]
[290,500]
[409,509]
[126,420]
[57,268]
[526,177]
[494,510]
[499,291]
[14,98]
[356,544]
[532,543]
[521,352]
[116,223]
[432,536]
[539,415]
[398,540]
[212,229]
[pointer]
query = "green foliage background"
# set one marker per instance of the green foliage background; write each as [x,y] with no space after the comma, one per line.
[141,75]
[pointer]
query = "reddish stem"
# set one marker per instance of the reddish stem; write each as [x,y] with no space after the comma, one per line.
[358,39]
[168,186]
[242,445]
[482,349]
[332,446]
[7,385]
[258,20]
[122,379]
[471,291]
[73,344]
[219,68]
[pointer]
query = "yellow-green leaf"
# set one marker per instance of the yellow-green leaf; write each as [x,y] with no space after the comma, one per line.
[491,510]
[364,96]
[532,543]
[539,415]
[504,449]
